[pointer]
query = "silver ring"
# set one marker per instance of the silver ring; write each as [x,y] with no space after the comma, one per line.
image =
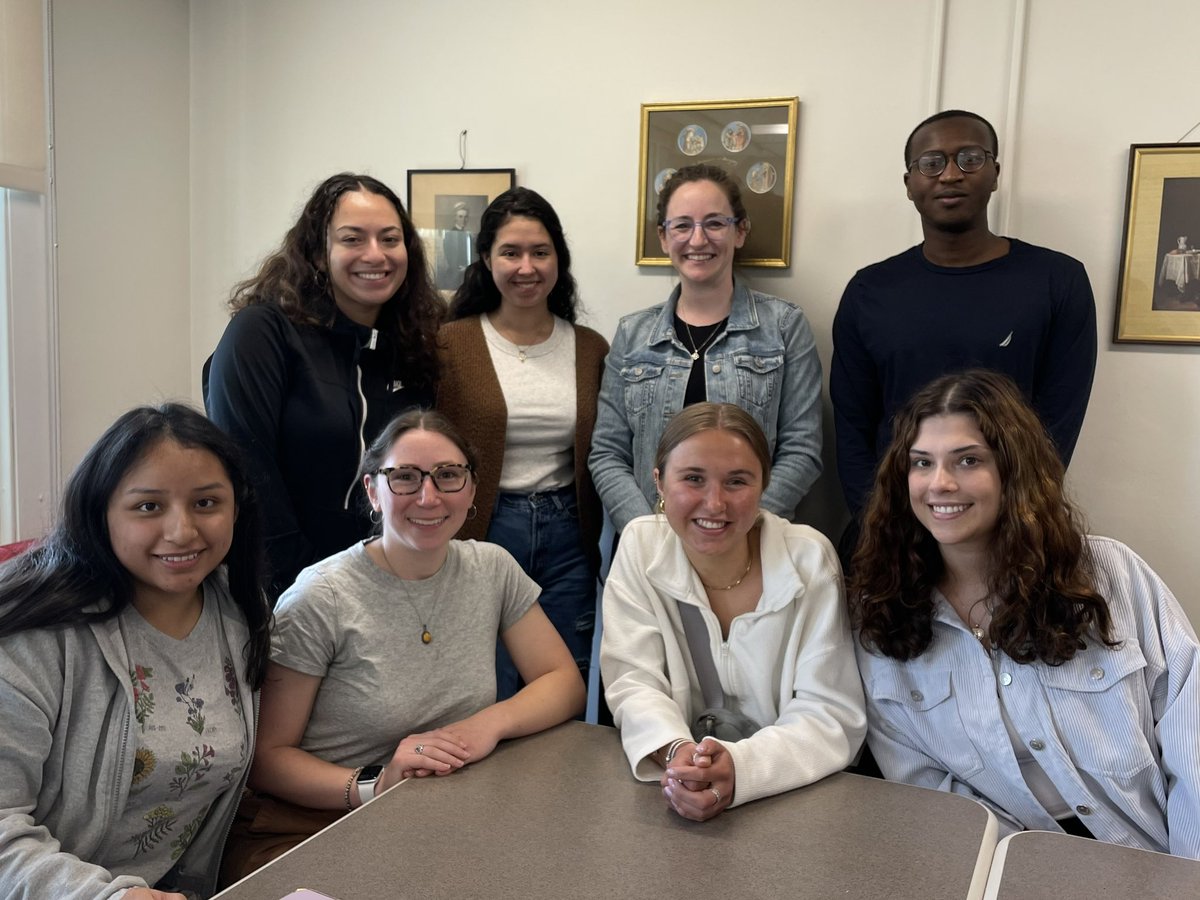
[420,748]
[716,793]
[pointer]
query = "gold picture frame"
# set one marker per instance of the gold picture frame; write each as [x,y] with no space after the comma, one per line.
[754,140]
[1158,290]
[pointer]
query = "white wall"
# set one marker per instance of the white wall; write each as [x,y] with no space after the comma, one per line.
[120,105]
[285,92]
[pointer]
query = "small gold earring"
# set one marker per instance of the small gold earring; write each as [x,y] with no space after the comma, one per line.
[662,504]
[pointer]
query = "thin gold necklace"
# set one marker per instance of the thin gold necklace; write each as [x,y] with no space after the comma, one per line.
[426,634]
[730,587]
[522,351]
[978,630]
[696,351]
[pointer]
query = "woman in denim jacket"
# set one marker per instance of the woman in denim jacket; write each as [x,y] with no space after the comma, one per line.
[1006,655]
[713,339]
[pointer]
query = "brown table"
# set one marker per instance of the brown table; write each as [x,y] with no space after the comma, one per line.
[1041,865]
[559,815]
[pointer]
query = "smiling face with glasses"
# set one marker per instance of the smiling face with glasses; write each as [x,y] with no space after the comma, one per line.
[968,159]
[951,175]
[404,480]
[429,490]
[700,234]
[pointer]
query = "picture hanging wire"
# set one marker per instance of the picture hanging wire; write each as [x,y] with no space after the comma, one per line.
[462,148]
[1180,141]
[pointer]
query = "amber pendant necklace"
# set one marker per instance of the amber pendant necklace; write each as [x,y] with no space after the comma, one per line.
[426,634]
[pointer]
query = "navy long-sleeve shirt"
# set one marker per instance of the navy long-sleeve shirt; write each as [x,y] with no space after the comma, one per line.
[903,322]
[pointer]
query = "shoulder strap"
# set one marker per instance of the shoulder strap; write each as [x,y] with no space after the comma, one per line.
[696,633]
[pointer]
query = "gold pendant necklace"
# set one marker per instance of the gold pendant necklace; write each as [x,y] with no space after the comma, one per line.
[426,634]
[977,629]
[696,351]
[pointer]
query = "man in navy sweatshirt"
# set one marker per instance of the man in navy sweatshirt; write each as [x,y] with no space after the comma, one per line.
[963,298]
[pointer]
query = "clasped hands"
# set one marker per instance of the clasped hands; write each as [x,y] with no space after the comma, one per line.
[698,782]
[441,751]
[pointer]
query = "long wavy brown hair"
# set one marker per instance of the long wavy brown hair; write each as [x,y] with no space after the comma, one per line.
[294,279]
[1041,570]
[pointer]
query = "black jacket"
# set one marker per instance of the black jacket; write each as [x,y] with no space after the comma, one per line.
[304,402]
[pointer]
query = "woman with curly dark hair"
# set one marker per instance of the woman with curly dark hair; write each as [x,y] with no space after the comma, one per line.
[1006,655]
[333,337]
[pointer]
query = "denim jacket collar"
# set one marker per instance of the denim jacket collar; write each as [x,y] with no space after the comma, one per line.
[743,315]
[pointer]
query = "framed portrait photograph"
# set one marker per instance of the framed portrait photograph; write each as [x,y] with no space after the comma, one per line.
[1158,291]
[446,205]
[753,140]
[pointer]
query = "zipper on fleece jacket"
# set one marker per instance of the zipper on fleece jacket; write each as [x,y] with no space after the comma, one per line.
[362,425]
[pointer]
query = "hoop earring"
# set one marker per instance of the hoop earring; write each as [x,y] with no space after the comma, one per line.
[472,512]
[376,516]
[661,508]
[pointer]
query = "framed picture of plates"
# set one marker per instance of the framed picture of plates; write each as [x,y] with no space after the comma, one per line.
[753,140]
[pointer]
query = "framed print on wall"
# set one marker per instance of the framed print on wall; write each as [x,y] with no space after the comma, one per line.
[753,140]
[445,206]
[1158,291]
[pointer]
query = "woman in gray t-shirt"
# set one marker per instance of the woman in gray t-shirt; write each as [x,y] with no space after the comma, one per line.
[383,660]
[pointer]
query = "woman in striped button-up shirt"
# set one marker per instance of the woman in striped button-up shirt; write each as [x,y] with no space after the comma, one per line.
[1005,655]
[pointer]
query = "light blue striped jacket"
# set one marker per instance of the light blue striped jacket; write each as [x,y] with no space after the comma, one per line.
[1116,730]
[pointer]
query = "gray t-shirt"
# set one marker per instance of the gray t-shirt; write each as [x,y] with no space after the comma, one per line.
[359,629]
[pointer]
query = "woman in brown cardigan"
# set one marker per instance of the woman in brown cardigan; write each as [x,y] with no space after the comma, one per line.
[520,381]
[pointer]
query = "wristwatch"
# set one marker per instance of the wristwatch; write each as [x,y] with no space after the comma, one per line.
[366,781]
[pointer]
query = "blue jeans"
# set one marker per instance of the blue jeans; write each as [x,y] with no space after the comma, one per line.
[541,531]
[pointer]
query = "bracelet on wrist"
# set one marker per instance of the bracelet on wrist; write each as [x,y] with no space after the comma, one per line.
[350,784]
[672,749]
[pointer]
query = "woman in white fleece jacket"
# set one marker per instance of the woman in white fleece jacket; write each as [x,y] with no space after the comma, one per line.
[771,598]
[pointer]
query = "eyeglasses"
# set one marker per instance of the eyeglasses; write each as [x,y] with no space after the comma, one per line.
[405,480]
[715,228]
[968,159]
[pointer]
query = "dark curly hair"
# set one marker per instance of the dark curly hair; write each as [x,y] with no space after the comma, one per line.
[478,293]
[1041,569]
[57,583]
[294,279]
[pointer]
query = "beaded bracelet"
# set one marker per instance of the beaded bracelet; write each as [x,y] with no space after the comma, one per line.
[350,784]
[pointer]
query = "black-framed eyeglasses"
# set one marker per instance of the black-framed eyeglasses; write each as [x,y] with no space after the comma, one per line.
[404,480]
[681,228]
[968,159]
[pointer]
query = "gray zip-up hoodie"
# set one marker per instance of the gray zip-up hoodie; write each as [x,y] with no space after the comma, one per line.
[67,748]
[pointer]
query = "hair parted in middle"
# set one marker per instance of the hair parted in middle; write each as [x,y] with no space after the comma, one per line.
[413,420]
[704,172]
[698,417]
[1041,571]
[478,293]
[74,577]
[295,279]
